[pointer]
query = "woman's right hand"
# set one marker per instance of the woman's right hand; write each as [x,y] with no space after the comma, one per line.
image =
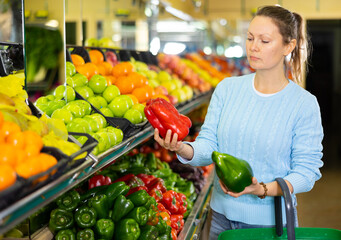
[170,143]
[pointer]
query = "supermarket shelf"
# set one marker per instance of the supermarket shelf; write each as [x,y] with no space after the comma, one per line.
[196,219]
[23,208]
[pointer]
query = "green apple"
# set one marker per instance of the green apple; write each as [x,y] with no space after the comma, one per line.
[85,91]
[94,124]
[101,146]
[134,116]
[111,135]
[84,123]
[85,105]
[54,105]
[62,114]
[164,76]
[94,102]
[177,82]
[153,83]
[102,122]
[51,97]
[140,107]
[107,112]
[120,105]
[82,139]
[102,102]
[180,94]
[188,91]
[110,93]
[42,100]
[91,42]
[76,110]
[65,92]
[118,132]
[70,69]
[97,83]
[80,80]
[77,127]
[169,85]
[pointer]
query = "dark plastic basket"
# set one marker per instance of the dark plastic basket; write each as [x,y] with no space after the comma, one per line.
[290,233]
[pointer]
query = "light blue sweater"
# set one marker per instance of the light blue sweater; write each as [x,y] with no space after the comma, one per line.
[279,135]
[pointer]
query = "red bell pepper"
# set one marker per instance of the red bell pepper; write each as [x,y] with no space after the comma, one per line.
[156,193]
[135,189]
[182,203]
[98,180]
[174,234]
[125,178]
[162,208]
[163,116]
[147,179]
[157,183]
[177,222]
[171,201]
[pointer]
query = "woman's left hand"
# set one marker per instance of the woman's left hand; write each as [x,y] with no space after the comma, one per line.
[255,188]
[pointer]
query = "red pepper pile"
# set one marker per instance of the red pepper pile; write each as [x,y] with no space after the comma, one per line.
[171,205]
[164,116]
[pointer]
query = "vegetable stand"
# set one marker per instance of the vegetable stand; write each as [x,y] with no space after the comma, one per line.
[290,233]
[23,208]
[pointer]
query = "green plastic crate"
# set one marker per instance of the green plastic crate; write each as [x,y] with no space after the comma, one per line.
[270,233]
[290,233]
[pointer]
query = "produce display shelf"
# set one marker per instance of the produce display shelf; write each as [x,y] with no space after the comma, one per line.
[196,219]
[19,211]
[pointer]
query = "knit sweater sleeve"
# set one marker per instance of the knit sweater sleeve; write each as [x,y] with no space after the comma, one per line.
[206,142]
[306,151]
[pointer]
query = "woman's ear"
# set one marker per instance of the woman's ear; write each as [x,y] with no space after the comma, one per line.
[290,47]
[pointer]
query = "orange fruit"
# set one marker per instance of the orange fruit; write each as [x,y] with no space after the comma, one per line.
[123,68]
[138,79]
[16,139]
[7,176]
[33,143]
[96,56]
[8,128]
[104,68]
[110,79]
[134,98]
[28,168]
[91,68]
[46,161]
[21,157]
[77,60]
[8,154]
[1,119]
[124,84]
[83,70]
[143,93]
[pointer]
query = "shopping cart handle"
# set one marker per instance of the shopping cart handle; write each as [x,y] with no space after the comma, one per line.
[289,211]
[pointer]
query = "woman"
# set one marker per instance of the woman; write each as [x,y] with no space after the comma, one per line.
[263,118]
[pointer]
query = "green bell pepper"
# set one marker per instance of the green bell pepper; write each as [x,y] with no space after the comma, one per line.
[104,229]
[163,173]
[150,162]
[127,229]
[85,217]
[69,201]
[167,235]
[149,232]
[66,234]
[235,173]
[60,219]
[139,214]
[138,170]
[186,188]
[86,234]
[114,190]
[122,207]
[93,192]
[137,160]
[161,225]
[151,203]
[100,204]
[139,198]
